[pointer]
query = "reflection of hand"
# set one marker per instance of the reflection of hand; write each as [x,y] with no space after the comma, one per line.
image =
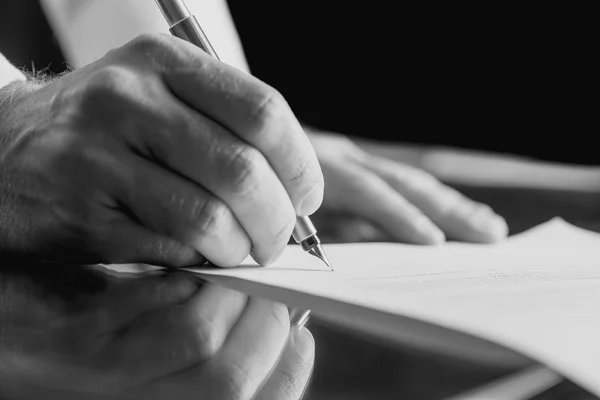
[150,337]
[154,153]
[406,203]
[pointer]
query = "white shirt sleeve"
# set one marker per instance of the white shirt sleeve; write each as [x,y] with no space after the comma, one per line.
[88,29]
[8,73]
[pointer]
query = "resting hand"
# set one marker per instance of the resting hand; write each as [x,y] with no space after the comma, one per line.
[402,202]
[156,153]
[71,332]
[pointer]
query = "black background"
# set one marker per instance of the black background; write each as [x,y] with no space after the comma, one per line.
[508,78]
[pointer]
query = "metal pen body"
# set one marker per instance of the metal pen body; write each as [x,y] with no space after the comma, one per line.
[190,30]
[305,231]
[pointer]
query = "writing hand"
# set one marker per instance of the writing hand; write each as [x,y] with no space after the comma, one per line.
[404,203]
[156,153]
[70,332]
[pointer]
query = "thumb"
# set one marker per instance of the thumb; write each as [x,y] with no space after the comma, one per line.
[291,376]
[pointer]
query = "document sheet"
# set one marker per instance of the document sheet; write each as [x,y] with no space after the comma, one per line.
[533,297]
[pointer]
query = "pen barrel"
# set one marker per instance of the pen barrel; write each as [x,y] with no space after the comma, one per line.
[189,30]
[173,10]
[303,230]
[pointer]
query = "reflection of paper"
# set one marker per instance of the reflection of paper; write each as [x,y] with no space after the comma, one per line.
[537,293]
[522,385]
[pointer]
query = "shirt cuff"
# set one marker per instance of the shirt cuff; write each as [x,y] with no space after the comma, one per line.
[8,73]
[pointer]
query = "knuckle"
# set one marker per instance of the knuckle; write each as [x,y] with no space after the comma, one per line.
[412,183]
[109,79]
[111,76]
[479,208]
[104,87]
[290,385]
[177,254]
[207,216]
[419,180]
[147,44]
[280,315]
[164,251]
[237,382]
[305,176]
[469,209]
[158,50]
[81,230]
[67,153]
[270,107]
[451,201]
[64,143]
[207,340]
[245,168]
[284,234]
[302,172]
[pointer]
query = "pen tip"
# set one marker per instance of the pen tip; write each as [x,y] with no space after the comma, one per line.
[318,252]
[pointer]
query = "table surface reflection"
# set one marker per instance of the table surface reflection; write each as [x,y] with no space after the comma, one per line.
[352,366]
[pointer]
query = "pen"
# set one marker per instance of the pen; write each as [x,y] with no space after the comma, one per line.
[184,25]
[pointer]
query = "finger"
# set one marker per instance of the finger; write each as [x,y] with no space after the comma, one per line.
[458,216]
[172,339]
[252,350]
[109,307]
[336,227]
[113,235]
[256,113]
[233,173]
[163,129]
[124,241]
[243,363]
[130,298]
[176,208]
[291,376]
[372,198]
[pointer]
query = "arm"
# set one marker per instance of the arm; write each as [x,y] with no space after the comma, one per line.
[396,201]
[154,153]
[82,29]
[184,337]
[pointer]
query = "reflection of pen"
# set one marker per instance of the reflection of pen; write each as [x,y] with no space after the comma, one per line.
[185,26]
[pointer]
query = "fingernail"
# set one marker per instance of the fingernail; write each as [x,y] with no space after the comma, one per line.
[303,342]
[431,233]
[312,201]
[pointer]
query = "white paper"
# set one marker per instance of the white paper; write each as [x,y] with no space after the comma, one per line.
[537,293]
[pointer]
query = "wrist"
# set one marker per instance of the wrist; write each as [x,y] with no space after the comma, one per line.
[12,113]
[17,90]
